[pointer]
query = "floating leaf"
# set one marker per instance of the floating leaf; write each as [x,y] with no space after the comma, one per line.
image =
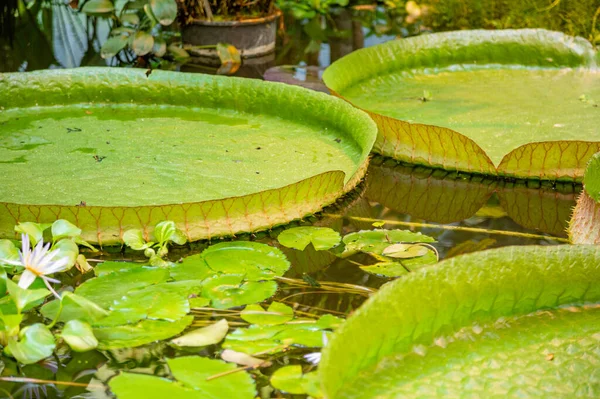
[160,49]
[288,379]
[79,336]
[198,302]
[8,251]
[277,313]
[210,335]
[167,231]
[129,18]
[328,321]
[35,343]
[111,267]
[137,386]
[105,289]
[194,371]
[144,332]
[273,185]
[503,127]
[255,260]
[231,290]
[165,11]
[321,238]
[376,241]
[275,338]
[142,43]
[405,251]
[472,314]
[66,248]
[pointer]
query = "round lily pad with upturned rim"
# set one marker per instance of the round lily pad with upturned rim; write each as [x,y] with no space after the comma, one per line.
[113,149]
[513,103]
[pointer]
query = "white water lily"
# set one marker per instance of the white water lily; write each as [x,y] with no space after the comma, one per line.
[313,358]
[38,262]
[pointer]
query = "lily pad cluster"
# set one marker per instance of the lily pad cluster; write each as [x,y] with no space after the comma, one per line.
[396,252]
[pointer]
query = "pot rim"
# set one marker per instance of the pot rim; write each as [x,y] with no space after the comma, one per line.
[250,21]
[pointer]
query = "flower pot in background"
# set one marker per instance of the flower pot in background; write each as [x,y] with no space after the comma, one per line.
[252,37]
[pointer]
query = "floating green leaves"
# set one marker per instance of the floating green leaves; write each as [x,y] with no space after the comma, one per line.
[277,313]
[231,290]
[322,238]
[193,374]
[141,333]
[165,11]
[209,335]
[378,241]
[509,309]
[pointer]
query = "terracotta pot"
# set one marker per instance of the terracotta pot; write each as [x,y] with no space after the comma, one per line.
[252,37]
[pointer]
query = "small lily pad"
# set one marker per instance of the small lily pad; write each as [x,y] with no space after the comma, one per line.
[322,238]
[79,336]
[144,332]
[35,343]
[288,379]
[277,313]
[405,251]
[272,339]
[255,260]
[231,290]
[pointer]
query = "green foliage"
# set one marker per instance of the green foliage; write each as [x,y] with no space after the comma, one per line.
[79,336]
[291,380]
[165,233]
[34,343]
[209,335]
[304,9]
[232,290]
[277,313]
[504,299]
[321,238]
[591,179]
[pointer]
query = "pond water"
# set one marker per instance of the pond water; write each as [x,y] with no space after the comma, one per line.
[462,213]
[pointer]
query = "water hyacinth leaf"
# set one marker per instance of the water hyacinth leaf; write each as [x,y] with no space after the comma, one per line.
[96,7]
[456,128]
[277,313]
[165,11]
[231,290]
[23,297]
[35,343]
[209,335]
[130,18]
[500,306]
[137,386]
[243,359]
[74,307]
[142,43]
[322,238]
[255,260]
[66,248]
[63,228]
[141,333]
[167,231]
[288,379]
[134,239]
[35,231]
[584,226]
[274,184]
[105,289]
[376,241]
[193,371]
[160,49]
[79,336]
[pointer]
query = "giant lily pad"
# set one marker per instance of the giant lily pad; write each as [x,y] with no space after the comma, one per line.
[519,103]
[516,321]
[113,149]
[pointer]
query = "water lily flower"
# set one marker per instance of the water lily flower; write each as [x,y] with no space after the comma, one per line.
[314,358]
[38,262]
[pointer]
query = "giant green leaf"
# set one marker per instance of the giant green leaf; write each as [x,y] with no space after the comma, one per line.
[584,227]
[497,102]
[488,324]
[215,155]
